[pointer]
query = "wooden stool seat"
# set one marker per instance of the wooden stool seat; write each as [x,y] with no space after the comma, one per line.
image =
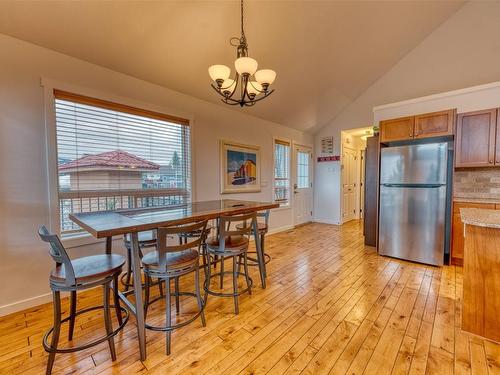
[233,244]
[261,227]
[175,260]
[90,268]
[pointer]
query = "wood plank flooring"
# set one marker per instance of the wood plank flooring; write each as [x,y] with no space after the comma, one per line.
[332,306]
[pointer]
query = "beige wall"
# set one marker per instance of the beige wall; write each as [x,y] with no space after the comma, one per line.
[23,162]
[464,51]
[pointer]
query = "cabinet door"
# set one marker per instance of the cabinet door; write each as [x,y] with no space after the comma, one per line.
[457,235]
[475,140]
[397,129]
[435,124]
[497,141]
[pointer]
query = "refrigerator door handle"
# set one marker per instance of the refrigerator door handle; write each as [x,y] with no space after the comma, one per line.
[422,186]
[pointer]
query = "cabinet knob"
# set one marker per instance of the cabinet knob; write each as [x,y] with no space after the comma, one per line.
[491,161]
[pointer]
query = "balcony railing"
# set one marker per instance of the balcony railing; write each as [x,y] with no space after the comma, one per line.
[106,200]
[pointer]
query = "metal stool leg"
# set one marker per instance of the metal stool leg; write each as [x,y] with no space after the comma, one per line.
[72,314]
[107,321]
[198,296]
[116,300]
[147,282]
[176,284]
[262,237]
[247,276]
[221,272]
[129,268]
[208,277]
[56,297]
[168,315]
[235,286]
[160,287]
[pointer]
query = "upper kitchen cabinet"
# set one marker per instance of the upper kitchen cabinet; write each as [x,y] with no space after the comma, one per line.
[435,124]
[475,140]
[426,125]
[397,129]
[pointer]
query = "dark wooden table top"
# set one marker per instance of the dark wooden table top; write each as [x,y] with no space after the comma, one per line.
[111,223]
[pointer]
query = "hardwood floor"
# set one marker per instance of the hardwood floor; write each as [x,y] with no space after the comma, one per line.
[332,306]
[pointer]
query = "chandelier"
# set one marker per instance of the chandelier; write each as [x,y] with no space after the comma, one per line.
[249,85]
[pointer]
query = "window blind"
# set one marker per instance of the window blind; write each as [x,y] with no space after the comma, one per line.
[281,172]
[112,156]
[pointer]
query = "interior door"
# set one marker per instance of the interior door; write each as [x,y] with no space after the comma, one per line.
[303,194]
[348,184]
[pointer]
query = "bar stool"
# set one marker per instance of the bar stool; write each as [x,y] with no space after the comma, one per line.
[79,274]
[233,244]
[171,261]
[147,240]
[262,228]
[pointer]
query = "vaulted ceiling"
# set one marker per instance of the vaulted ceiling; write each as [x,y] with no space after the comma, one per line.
[325,53]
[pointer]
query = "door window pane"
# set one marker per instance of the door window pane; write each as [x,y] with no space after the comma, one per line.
[303,159]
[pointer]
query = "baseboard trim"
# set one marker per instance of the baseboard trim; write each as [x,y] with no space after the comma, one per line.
[24,304]
[281,229]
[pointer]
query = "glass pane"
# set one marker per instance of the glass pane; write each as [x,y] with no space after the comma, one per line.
[302,169]
[281,173]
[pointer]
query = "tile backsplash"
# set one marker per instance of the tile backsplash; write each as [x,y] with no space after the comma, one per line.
[477,183]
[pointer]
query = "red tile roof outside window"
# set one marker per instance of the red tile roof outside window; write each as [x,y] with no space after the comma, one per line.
[109,160]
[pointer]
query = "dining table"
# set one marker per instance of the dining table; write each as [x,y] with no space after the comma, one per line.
[106,224]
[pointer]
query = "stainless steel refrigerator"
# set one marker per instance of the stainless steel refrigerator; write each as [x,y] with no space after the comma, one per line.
[413,202]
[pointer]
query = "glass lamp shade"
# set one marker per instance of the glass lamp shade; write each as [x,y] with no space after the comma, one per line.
[265,76]
[219,72]
[254,88]
[228,86]
[245,65]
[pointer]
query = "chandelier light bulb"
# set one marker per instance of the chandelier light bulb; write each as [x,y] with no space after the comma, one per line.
[265,76]
[245,65]
[219,72]
[228,86]
[254,88]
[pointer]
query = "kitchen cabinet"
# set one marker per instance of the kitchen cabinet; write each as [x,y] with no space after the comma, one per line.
[435,124]
[457,231]
[481,274]
[425,125]
[397,129]
[475,143]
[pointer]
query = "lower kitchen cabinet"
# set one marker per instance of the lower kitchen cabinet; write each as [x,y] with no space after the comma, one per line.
[457,235]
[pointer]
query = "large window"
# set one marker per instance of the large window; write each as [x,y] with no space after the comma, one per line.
[112,156]
[282,172]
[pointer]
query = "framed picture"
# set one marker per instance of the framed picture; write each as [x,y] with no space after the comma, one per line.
[239,168]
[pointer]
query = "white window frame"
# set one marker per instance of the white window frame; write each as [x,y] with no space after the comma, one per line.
[290,198]
[49,86]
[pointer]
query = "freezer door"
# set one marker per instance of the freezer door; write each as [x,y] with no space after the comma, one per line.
[412,223]
[415,164]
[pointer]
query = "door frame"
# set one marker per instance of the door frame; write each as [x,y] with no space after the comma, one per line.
[295,146]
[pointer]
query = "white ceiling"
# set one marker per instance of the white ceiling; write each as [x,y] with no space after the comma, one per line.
[326,53]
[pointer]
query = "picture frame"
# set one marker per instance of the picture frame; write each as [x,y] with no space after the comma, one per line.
[239,168]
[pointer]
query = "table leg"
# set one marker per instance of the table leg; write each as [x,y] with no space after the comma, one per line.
[139,310]
[109,241]
[260,256]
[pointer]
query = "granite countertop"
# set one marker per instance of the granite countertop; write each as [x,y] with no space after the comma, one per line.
[481,217]
[476,200]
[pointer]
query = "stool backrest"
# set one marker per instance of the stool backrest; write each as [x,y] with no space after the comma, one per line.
[248,222]
[164,247]
[58,254]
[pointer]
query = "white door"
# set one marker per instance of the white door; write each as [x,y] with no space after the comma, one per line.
[303,195]
[348,184]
